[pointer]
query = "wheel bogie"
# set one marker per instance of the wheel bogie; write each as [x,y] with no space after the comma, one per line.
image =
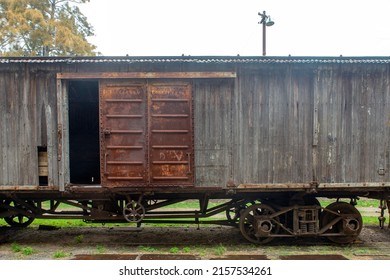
[340,222]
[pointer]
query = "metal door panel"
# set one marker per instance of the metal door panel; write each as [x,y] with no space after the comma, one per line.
[146,134]
[123,134]
[171,141]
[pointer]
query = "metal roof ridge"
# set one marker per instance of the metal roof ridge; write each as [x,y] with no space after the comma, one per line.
[198,59]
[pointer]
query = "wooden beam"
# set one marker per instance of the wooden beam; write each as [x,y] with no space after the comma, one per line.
[145,75]
[321,186]
[276,186]
[27,188]
[347,186]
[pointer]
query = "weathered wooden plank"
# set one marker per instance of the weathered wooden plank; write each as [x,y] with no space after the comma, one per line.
[324,119]
[386,122]
[13,128]
[52,129]
[346,128]
[3,130]
[292,125]
[260,87]
[275,186]
[305,119]
[334,133]
[63,134]
[29,157]
[25,188]
[42,99]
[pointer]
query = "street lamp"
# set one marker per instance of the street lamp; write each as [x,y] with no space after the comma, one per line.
[265,21]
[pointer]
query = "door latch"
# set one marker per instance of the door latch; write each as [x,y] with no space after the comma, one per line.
[107,132]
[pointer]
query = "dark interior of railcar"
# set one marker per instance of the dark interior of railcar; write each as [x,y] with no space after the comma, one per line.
[84,132]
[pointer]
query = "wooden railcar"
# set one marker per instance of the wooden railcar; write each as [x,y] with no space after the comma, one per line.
[119,138]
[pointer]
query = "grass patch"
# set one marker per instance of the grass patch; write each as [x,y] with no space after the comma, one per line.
[148,249]
[362,202]
[27,251]
[100,249]
[59,255]
[174,250]
[366,202]
[192,204]
[220,250]
[369,220]
[16,248]
[186,250]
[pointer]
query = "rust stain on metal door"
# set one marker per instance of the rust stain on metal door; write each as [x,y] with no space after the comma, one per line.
[122,134]
[170,133]
[146,134]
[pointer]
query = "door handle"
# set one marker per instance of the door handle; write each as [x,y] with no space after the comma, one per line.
[107,132]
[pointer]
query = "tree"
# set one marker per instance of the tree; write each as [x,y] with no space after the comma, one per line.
[44,28]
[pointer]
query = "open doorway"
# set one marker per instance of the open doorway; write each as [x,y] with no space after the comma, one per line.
[84,149]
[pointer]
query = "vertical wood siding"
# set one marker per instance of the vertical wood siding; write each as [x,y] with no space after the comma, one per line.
[213,139]
[273,126]
[274,123]
[274,132]
[26,122]
[18,139]
[354,124]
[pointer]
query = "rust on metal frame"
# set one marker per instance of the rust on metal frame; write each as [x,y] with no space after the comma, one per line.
[276,186]
[28,188]
[321,186]
[145,75]
[354,185]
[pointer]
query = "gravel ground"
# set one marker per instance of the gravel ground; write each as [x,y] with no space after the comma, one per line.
[105,242]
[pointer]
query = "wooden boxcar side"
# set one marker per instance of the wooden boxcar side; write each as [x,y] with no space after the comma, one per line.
[279,120]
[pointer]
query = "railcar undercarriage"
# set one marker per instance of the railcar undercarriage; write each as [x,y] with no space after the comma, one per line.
[260,218]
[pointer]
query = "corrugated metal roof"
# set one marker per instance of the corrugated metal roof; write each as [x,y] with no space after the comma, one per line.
[197,59]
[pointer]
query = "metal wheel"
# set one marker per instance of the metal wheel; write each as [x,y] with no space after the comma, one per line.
[350,224]
[256,225]
[233,213]
[22,219]
[134,212]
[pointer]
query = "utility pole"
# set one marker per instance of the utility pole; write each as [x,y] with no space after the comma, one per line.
[265,21]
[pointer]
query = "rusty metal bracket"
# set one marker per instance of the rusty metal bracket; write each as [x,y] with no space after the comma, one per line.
[59,139]
[382,218]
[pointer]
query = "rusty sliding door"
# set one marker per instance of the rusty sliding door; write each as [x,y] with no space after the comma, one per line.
[146,134]
[171,134]
[122,134]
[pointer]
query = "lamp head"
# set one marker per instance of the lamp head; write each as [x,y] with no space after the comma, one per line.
[269,22]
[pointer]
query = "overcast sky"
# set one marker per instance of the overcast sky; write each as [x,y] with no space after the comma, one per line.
[230,27]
